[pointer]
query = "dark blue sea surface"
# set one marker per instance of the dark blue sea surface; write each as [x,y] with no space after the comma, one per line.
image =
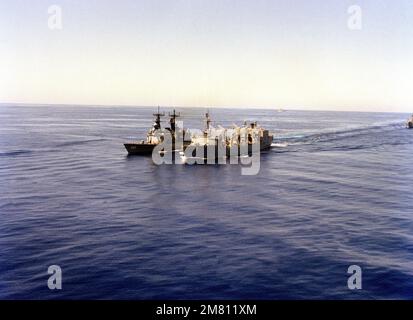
[335,190]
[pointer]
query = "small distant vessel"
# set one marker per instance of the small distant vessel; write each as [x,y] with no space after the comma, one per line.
[409,124]
[156,135]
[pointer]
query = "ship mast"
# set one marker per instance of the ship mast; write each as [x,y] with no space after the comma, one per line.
[158,116]
[208,120]
[172,120]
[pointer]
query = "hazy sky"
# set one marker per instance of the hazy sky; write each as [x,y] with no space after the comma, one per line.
[256,53]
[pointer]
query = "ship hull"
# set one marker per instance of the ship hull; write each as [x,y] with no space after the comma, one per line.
[265,144]
[211,153]
[140,149]
[410,125]
[245,151]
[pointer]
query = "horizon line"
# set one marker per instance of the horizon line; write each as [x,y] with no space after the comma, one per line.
[286,108]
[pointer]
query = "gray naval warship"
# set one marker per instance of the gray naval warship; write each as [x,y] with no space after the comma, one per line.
[409,123]
[155,136]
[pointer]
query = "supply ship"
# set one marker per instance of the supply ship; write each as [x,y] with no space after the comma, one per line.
[237,141]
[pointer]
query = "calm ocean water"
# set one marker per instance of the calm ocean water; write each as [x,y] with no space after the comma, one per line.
[334,191]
